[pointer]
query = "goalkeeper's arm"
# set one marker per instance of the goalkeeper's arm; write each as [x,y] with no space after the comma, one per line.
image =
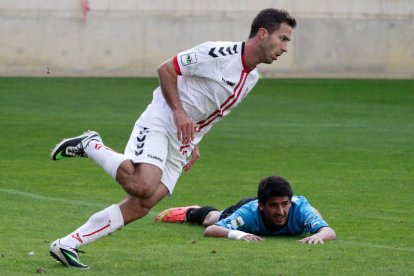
[221,232]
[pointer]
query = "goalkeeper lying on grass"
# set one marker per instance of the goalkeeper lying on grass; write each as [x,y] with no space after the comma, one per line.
[275,212]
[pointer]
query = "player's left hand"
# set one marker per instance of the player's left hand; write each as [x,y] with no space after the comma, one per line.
[314,239]
[195,154]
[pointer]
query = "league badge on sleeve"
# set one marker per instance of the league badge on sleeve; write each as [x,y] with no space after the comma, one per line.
[189,58]
[237,222]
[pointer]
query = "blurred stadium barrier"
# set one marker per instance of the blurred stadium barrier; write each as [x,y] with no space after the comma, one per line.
[334,38]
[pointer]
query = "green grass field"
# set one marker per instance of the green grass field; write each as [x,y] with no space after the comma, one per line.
[347,145]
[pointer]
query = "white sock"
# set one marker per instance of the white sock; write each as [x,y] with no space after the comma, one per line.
[99,225]
[108,159]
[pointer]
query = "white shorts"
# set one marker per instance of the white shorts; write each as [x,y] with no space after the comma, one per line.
[148,144]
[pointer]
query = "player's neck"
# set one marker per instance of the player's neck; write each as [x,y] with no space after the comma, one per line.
[249,56]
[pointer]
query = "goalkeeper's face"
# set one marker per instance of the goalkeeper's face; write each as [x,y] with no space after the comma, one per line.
[275,212]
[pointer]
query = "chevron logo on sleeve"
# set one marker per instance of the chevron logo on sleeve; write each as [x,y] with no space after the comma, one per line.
[223,51]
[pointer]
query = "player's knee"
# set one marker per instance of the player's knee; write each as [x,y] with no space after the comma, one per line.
[147,190]
[207,222]
[141,188]
[211,218]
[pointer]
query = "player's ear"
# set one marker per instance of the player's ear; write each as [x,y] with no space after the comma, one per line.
[261,206]
[262,34]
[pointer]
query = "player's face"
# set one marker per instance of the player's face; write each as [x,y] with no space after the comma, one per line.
[275,212]
[275,44]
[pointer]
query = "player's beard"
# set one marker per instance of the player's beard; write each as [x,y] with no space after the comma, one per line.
[280,220]
[274,223]
[265,56]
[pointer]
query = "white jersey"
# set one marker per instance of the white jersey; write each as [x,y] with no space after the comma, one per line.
[212,80]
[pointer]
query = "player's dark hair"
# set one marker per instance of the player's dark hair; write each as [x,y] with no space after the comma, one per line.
[270,19]
[273,186]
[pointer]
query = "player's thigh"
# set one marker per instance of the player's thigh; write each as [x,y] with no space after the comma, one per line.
[147,175]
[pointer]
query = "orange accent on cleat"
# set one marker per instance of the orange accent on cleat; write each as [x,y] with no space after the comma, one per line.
[174,215]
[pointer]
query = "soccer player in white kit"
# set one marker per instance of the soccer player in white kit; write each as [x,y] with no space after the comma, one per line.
[197,88]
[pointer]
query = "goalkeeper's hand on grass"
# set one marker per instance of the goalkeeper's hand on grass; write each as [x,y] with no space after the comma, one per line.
[251,237]
[314,239]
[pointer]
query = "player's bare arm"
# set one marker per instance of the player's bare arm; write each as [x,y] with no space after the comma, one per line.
[168,82]
[221,232]
[324,233]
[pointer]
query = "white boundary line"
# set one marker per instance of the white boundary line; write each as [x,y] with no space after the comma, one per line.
[367,244]
[49,198]
[61,200]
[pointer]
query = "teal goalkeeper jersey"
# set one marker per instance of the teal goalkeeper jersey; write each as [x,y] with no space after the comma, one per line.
[302,219]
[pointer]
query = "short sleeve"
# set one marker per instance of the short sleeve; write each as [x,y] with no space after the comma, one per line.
[312,222]
[196,61]
[241,219]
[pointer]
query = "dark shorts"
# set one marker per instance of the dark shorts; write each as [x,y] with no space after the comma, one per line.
[230,210]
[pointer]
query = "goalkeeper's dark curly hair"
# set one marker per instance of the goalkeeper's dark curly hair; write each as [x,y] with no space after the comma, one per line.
[273,186]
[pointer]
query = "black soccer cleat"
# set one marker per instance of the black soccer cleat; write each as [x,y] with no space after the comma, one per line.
[67,255]
[75,146]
